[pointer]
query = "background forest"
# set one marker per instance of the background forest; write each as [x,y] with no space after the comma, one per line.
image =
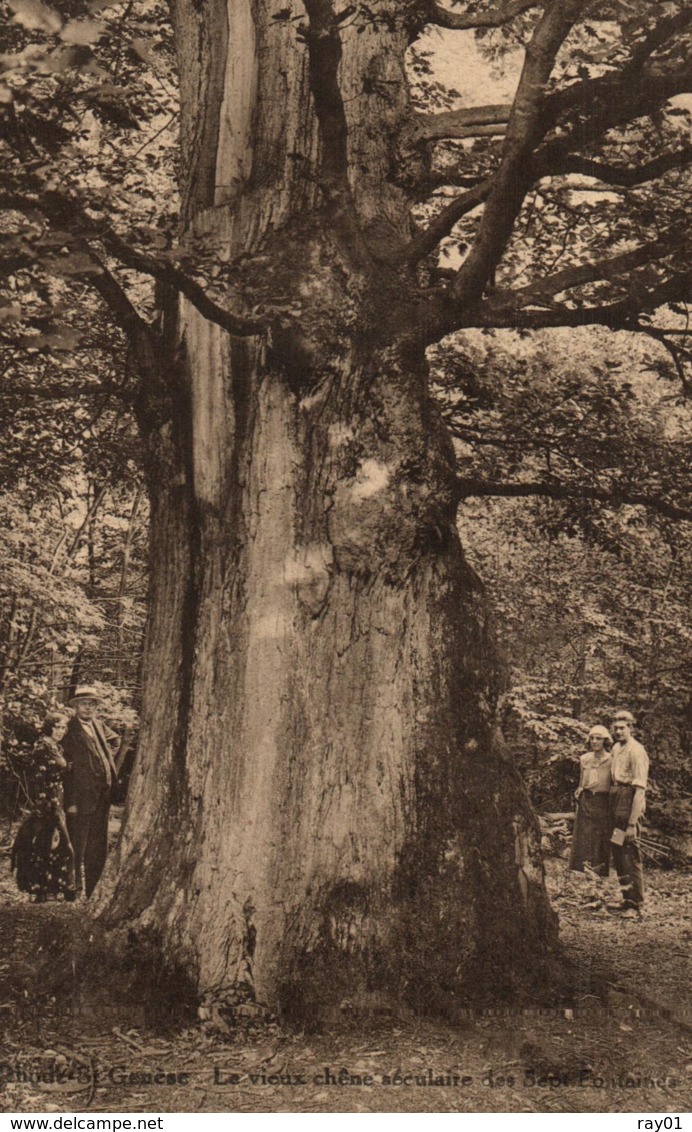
[573,445]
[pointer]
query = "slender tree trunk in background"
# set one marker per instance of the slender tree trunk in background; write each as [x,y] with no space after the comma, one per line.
[320,805]
[91,550]
[122,588]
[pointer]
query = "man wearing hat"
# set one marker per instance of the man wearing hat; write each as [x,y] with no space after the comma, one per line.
[90,775]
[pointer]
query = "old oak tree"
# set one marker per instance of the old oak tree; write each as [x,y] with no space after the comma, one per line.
[322,805]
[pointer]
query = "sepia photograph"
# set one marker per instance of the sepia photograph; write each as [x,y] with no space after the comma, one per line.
[345,558]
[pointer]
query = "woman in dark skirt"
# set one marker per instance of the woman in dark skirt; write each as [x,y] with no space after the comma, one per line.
[42,853]
[591,838]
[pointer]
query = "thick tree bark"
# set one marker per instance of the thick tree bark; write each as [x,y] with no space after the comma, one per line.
[320,806]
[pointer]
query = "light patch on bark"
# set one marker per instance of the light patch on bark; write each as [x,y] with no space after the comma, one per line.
[306,563]
[340,434]
[454,854]
[530,872]
[244,775]
[372,478]
[234,155]
[271,626]
[308,568]
[212,411]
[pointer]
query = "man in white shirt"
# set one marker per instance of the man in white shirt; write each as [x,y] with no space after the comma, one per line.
[630,774]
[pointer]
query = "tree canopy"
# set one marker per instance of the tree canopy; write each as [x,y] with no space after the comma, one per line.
[564,207]
[535,241]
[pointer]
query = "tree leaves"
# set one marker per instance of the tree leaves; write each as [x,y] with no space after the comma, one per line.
[82,32]
[59,601]
[73,263]
[142,49]
[35,16]
[63,340]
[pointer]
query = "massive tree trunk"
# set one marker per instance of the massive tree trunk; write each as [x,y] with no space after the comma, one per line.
[320,805]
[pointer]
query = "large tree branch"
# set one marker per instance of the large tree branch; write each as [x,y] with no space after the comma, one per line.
[171,276]
[114,296]
[491,18]
[466,123]
[144,340]
[578,276]
[66,214]
[621,315]
[617,176]
[323,40]
[627,176]
[640,85]
[626,100]
[524,132]
[614,496]
[425,241]
[584,94]
[437,317]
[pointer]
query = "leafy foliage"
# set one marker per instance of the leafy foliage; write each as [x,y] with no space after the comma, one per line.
[592,600]
[86,119]
[72,605]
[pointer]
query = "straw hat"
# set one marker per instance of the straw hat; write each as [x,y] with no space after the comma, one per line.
[84,692]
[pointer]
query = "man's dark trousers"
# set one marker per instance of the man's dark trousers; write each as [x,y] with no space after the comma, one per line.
[89,837]
[627,858]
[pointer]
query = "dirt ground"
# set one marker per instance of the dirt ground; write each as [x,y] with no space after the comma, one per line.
[622,1043]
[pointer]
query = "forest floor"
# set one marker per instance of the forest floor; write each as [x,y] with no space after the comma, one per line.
[623,1043]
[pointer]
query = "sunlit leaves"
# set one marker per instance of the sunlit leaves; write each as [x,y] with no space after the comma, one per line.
[61,339]
[60,579]
[82,31]
[35,16]
[91,118]
[143,49]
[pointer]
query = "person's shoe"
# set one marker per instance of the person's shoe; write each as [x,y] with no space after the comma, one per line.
[617,907]
[631,914]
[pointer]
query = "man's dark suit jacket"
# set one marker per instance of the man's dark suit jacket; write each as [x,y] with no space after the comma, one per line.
[86,781]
